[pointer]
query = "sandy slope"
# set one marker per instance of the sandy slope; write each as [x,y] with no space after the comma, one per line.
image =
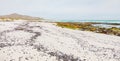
[39,41]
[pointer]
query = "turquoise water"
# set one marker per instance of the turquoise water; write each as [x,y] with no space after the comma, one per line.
[106,25]
[99,21]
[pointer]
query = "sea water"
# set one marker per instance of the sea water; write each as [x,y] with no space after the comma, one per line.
[98,21]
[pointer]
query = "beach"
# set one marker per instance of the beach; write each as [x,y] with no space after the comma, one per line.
[44,41]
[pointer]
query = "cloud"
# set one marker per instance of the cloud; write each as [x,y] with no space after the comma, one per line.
[65,9]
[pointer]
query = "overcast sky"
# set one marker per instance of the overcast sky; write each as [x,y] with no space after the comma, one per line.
[63,9]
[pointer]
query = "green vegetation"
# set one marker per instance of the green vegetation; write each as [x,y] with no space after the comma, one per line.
[89,27]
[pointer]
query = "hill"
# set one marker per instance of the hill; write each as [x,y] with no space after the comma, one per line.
[16,16]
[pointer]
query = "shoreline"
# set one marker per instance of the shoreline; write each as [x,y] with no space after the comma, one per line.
[90,26]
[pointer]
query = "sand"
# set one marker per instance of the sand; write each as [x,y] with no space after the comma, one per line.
[41,41]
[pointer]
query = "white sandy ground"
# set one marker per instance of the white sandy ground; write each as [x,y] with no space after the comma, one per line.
[40,41]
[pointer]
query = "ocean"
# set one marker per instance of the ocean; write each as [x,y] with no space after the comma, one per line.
[98,21]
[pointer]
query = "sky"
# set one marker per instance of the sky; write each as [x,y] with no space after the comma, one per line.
[64,9]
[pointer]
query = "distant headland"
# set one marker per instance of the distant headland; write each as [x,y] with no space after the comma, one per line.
[15,16]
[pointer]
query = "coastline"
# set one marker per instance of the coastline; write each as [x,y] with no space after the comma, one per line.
[106,28]
[93,21]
